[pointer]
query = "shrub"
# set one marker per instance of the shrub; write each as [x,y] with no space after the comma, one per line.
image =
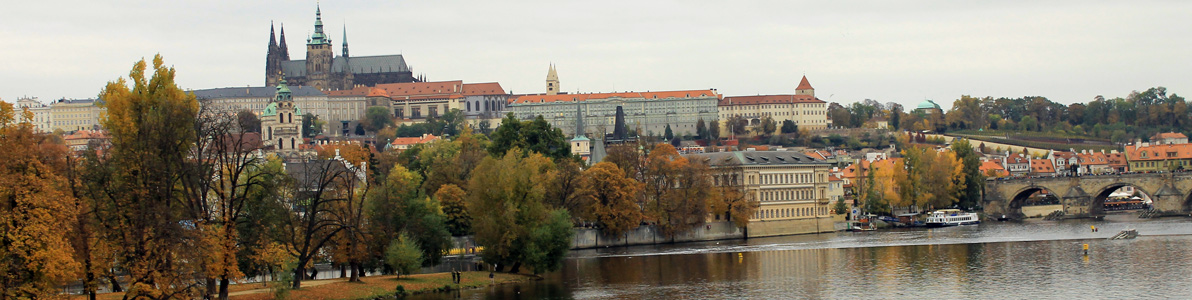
[403,255]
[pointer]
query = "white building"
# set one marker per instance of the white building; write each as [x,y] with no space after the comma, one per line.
[802,107]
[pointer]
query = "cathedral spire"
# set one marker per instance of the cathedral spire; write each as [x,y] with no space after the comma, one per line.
[319,38]
[345,52]
[272,38]
[285,52]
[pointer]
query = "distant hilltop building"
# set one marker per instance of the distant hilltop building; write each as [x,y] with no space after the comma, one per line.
[647,112]
[324,71]
[67,115]
[803,108]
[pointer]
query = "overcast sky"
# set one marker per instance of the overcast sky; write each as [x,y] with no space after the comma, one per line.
[902,51]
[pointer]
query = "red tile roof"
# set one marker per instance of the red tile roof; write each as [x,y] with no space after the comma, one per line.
[376,92]
[542,98]
[1160,152]
[414,140]
[1094,158]
[1170,135]
[768,99]
[993,165]
[1042,166]
[487,88]
[803,84]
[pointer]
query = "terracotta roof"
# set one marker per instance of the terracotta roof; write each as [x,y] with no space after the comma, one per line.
[1042,166]
[1116,159]
[768,99]
[406,89]
[803,84]
[541,98]
[1169,135]
[993,165]
[414,140]
[1160,152]
[376,92]
[1017,158]
[487,88]
[815,154]
[1094,158]
[833,178]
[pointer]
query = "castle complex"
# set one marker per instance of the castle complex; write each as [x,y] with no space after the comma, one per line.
[324,71]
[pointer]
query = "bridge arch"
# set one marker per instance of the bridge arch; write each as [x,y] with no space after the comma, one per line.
[1097,207]
[1037,199]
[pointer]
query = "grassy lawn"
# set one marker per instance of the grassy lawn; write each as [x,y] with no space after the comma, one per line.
[370,287]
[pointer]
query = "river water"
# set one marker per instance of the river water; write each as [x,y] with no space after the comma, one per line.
[1012,260]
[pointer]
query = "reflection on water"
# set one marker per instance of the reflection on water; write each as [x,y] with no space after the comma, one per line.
[995,260]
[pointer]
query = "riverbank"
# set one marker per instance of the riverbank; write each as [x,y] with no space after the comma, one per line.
[371,287]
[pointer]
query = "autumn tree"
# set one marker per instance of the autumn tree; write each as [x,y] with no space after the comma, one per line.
[315,189]
[609,198]
[248,121]
[736,204]
[450,161]
[36,212]
[678,192]
[974,181]
[564,187]
[455,210]
[136,184]
[511,221]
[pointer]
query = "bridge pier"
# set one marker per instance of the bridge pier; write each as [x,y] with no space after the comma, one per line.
[1076,203]
[1169,201]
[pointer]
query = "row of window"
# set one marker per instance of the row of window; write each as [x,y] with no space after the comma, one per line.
[789,178]
[787,195]
[790,212]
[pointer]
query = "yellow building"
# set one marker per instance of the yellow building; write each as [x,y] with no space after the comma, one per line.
[72,115]
[803,108]
[792,189]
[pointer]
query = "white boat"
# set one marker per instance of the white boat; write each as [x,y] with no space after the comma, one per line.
[951,217]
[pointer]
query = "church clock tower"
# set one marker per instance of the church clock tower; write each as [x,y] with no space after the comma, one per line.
[552,81]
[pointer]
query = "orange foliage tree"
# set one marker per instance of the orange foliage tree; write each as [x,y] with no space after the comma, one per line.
[36,212]
[609,198]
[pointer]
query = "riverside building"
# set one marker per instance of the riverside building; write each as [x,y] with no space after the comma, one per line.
[802,107]
[793,189]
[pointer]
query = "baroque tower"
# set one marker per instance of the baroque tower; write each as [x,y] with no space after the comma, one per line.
[318,55]
[552,81]
[280,129]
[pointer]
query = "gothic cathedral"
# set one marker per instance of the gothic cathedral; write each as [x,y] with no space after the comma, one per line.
[323,70]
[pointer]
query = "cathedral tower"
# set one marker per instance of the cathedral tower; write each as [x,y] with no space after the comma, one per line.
[273,60]
[552,81]
[318,55]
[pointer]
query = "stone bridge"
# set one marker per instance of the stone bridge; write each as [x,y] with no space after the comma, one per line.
[1085,196]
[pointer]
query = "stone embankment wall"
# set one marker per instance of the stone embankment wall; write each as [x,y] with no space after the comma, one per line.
[792,226]
[586,238]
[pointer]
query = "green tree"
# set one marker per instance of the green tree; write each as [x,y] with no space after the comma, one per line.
[789,126]
[714,130]
[974,181]
[404,255]
[511,221]
[400,205]
[376,118]
[840,208]
[311,125]
[668,135]
[535,136]
[248,121]
[701,130]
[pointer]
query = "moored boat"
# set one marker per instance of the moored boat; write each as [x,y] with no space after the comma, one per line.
[951,217]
